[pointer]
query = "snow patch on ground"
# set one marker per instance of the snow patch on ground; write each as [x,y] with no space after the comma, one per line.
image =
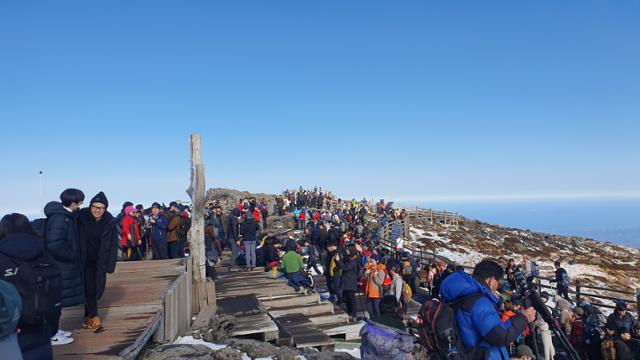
[189,340]
[353,352]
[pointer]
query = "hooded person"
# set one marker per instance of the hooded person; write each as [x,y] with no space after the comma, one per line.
[98,235]
[20,245]
[61,242]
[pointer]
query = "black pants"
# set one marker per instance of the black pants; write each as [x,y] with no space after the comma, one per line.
[564,292]
[90,290]
[349,297]
[160,251]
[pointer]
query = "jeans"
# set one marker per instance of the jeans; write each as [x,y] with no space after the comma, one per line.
[250,253]
[373,308]
[234,252]
[297,279]
[174,250]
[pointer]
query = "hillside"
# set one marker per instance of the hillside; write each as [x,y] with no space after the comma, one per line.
[593,262]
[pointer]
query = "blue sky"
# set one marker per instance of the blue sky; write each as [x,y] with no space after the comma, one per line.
[449,100]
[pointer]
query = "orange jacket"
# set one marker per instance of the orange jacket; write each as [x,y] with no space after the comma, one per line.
[375,279]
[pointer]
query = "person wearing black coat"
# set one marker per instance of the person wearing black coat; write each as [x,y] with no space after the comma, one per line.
[349,265]
[248,231]
[61,242]
[98,236]
[19,243]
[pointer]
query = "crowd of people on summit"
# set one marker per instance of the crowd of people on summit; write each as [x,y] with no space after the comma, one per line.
[346,249]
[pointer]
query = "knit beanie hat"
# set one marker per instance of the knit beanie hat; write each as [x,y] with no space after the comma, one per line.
[100,198]
[129,210]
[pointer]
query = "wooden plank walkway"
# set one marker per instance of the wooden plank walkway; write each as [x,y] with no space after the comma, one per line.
[132,309]
[305,333]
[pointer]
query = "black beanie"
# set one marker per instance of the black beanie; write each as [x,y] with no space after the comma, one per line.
[100,198]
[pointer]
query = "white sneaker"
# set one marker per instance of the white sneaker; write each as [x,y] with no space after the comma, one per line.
[61,340]
[63,333]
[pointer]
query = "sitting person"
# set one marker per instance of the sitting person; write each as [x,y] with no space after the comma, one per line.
[293,268]
[385,337]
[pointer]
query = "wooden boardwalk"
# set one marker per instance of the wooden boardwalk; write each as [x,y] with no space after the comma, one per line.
[301,320]
[132,310]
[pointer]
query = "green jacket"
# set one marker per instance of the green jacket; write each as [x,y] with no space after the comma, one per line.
[291,263]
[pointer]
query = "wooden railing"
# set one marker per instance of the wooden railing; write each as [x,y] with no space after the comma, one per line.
[576,288]
[435,216]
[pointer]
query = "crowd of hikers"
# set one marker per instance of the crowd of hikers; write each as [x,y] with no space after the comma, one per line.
[466,313]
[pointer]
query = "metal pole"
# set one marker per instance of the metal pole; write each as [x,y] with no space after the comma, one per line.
[40,178]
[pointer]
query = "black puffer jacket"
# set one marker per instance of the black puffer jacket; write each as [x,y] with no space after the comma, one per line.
[23,248]
[63,246]
[103,253]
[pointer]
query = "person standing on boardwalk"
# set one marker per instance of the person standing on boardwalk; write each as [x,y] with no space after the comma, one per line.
[98,243]
[61,241]
[248,232]
[20,246]
[131,238]
[561,280]
[173,229]
[159,223]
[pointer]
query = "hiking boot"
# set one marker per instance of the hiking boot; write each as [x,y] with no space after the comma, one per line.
[94,324]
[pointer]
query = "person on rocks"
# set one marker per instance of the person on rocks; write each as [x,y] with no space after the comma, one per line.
[375,273]
[159,223]
[349,266]
[477,318]
[19,244]
[98,241]
[385,337]
[131,240]
[292,266]
[173,228]
[621,318]
[248,232]
[61,239]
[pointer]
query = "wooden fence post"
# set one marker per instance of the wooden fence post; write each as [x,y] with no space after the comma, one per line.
[195,237]
[578,292]
[638,302]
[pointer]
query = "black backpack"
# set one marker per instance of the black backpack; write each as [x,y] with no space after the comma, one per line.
[39,283]
[185,225]
[438,330]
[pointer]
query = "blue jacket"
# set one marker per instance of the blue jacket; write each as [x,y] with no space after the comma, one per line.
[64,247]
[159,229]
[481,326]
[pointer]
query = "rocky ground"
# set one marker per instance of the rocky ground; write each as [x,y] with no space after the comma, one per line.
[595,263]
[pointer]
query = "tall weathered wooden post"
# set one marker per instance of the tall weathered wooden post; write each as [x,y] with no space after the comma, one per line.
[203,290]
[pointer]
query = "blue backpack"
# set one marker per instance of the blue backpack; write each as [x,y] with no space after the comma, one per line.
[565,279]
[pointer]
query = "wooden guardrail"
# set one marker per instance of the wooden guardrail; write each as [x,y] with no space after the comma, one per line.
[435,216]
[577,287]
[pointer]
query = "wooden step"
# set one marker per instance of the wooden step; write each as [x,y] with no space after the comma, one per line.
[304,333]
[307,310]
[296,300]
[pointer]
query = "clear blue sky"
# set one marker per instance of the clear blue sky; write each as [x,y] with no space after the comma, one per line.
[409,100]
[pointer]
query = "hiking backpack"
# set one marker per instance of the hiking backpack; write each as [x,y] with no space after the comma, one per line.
[565,279]
[185,225]
[407,268]
[39,283]
[595,320]
[407,293]
[438,330]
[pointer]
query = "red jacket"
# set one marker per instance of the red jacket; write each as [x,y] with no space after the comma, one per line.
[577,333]
[256,214]
[129,226]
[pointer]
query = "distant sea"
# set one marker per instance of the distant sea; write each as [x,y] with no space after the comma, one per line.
[617,221]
